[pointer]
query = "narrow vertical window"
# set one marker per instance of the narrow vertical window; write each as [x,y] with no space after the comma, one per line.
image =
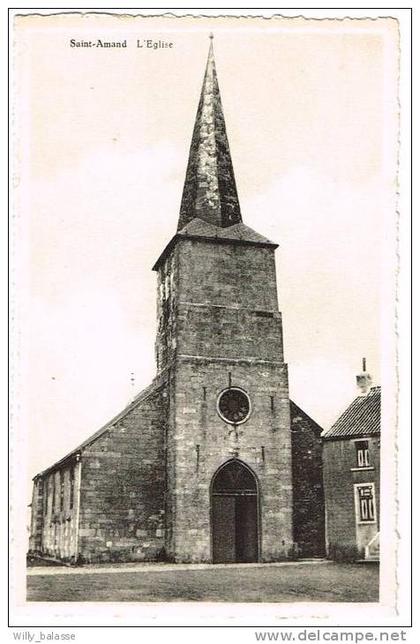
[71,497]
[197,452]
[53,499]
[45,496]
[167,286]
[362,453]
[61,490]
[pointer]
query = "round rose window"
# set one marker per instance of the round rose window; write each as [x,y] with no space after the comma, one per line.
[234,406]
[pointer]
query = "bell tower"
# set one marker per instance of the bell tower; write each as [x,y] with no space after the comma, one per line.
[219,346]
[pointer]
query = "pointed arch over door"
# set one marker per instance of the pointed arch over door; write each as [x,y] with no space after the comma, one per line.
[234,513]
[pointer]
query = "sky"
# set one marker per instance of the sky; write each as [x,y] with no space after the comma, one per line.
[101,147]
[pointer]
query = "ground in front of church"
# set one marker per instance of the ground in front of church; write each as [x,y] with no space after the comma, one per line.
[304,581]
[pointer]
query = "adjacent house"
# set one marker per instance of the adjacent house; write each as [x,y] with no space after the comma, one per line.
[351,470]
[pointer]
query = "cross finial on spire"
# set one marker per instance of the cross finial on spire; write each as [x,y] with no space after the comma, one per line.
[211,36]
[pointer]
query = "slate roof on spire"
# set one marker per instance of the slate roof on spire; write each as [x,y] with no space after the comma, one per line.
[210,189]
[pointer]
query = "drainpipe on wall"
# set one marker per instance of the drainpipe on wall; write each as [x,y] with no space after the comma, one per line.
[327,543]
[78,486]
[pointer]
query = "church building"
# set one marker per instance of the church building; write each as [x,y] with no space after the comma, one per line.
[212,462]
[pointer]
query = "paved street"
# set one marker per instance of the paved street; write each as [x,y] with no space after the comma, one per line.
[319,581]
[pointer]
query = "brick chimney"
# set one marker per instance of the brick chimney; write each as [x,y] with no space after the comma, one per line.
[364,380]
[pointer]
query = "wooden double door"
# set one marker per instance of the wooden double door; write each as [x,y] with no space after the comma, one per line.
[234,504]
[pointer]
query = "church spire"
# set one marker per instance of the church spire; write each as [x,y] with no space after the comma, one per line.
[210,190]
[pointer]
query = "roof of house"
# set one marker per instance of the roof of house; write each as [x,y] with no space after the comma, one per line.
[361,418]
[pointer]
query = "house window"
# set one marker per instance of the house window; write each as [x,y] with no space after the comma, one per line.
[365,503]
[362,453]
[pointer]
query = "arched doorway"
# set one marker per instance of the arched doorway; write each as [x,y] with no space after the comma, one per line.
[234,514]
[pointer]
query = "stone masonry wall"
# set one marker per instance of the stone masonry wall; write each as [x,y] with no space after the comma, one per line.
[35,539]
[225,329]
[218,300]
[54,513]
[340,474]
[122,514]
[308,488]
[166,303]
[220,330]
[199,441]
[224,274]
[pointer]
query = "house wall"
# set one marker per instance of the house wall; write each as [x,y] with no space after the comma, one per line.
[308,487]
[345,536]
[122,496]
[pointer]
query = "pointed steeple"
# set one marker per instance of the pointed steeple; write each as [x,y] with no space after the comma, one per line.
[210,189]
